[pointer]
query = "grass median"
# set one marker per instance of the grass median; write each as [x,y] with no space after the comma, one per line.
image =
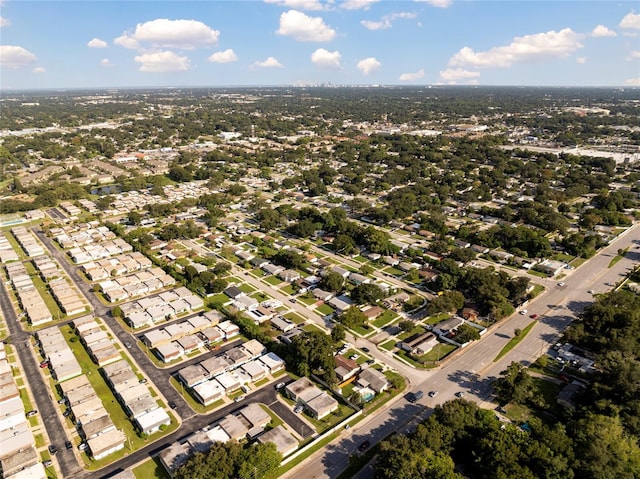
[515,341]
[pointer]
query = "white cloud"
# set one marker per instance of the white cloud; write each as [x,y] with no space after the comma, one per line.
[304,28]
[357,4]
[226,56]
[369,65]
[412,76]
[298,4]
[436,3]
[4,22]
[581,60]
[270,62]
[630,20]
[105,62]
[97,43]
[539,46]
[326,59]
[39,70]
[602,31]
[385,22]
[453,75]
[634,54]
[633,81]
[162,32]
[12,56]
[162,62]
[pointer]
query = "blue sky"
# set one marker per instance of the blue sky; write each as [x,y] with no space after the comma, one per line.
[96,44]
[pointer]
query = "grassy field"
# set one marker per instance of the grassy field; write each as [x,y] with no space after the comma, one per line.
[273,280]
[324,309]
[151,469]
[388,345]
[384,319]
[515,341]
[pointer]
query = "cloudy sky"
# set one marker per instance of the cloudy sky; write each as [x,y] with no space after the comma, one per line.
[59,44]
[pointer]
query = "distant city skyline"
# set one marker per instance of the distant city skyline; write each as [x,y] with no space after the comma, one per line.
[104,44]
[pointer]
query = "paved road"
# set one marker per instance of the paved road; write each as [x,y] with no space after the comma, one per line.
[472,371]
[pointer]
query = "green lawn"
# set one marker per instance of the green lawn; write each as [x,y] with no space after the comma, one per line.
[246,288]
[389,345]
[360,259]
[515,341]
[324,309]
[295,317]
[384,319]
[617,258]
[393,271]
[288,289]
[273,280]
[151,469]
[436,318]
[307,299]
[438,353]
[311,327]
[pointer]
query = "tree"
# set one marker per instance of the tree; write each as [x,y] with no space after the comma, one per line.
[258,461]
[406,325]
[338,333]
[344,244]
[352,318]
[366,293]
[466,333]
[513,385]
[604,449]
[134,218]
[331,281]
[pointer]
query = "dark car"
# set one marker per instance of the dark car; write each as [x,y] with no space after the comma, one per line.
[68,444]
[365,349]
[414,397]
[53,450]
[172,405]
[67,413]
[364,446]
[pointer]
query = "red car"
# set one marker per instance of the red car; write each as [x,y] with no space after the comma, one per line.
[534,316]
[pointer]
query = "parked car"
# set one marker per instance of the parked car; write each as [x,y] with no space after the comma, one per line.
[67,413]
[561,284]
[414,397]
[143,381]
[433,394]
[298,409]
[47,463]
[534,316]
[460,394]
[44,364]
[82,446]
[68,444]
[172,405]
[524,311]
[62,401]
[33,412]
[53,450]
[365,349]
[364,446]
[239,398]
[371,361]
[280,385]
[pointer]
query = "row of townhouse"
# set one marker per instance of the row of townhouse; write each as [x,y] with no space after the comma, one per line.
[18,456]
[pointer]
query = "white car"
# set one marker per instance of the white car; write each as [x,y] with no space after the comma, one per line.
[523,312]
